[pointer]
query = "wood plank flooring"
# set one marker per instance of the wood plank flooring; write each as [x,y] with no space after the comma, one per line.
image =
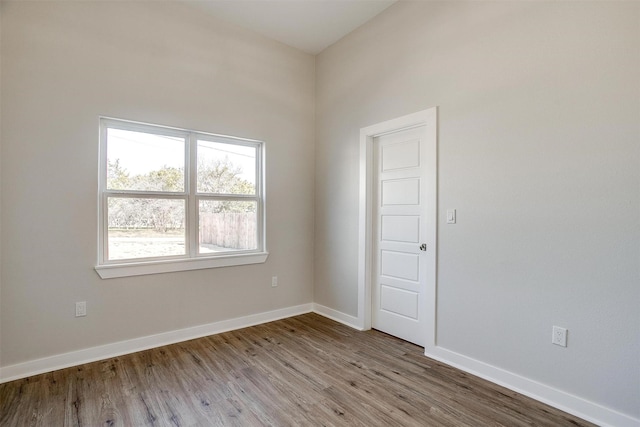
[302,371]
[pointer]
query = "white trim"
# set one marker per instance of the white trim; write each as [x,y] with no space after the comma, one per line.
[336,315]
[110,271]
[551,396]
[365,223]
[74,358]
[428,118]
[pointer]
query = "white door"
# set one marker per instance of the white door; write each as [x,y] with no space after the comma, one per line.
[400,252]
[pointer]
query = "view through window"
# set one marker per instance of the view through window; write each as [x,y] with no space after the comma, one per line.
[169,193]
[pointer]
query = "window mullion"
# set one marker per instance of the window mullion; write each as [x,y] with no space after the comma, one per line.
[145,194]
[228,197]
[192,187]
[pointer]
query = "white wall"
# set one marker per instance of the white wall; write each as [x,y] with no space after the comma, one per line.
[66,63]
[539,151]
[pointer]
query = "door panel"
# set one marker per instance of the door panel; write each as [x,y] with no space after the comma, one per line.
[399,275]
[400,228]
[400,192]
[401,155]
[400,302]
[400,265]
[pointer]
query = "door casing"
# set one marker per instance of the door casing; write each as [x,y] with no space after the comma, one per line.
[426,118]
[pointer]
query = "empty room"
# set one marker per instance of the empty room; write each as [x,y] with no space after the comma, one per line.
[319,212]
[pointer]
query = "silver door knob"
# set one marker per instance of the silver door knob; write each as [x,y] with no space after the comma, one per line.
[423,247]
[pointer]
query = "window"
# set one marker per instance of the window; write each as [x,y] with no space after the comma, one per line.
[173,199]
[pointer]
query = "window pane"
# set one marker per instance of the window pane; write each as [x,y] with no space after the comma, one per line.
[143,228]
[226,168]
[227,226]
[145,162]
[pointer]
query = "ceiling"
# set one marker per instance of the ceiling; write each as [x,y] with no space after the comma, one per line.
[308,25]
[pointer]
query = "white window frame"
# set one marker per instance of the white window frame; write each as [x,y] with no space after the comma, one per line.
[192,260]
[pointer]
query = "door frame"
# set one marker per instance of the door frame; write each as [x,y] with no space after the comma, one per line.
[428,118]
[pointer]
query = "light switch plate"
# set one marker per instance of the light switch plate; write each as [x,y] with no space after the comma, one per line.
[451,216]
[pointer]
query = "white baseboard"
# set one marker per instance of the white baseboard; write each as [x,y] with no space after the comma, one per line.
[74,358]
[562,400]
[336,315]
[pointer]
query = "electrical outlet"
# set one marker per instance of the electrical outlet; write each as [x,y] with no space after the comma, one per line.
[81,308]
[559,336]
[274,281]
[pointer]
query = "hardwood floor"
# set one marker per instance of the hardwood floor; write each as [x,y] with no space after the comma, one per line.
[302,371]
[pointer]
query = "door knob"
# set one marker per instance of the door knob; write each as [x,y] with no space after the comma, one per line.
[423,247]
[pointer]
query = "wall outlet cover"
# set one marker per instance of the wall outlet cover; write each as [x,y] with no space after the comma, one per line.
[81,308]
[559,336]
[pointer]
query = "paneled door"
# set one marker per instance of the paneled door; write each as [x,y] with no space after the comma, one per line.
[399,252]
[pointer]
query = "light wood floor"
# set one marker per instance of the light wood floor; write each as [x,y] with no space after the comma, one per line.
[305,370]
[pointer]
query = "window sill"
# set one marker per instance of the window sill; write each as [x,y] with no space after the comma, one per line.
[111,271]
